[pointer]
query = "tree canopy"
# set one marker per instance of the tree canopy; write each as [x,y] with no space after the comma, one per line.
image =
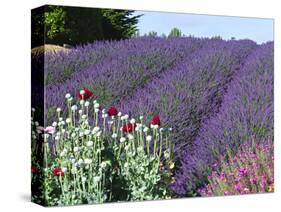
[77,25]
[175,32]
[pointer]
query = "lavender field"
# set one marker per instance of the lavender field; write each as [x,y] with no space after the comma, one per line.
[194,102]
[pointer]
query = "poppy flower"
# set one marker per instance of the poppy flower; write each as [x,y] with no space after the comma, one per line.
[47,130]
[127,128]
[155,120]
[112,111]
[58,172]
[34,169]
[87,94]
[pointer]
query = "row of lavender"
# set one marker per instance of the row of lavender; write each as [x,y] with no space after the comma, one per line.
[192,90]
[120,75]
[246,111]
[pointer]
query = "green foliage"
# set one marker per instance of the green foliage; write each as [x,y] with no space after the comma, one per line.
[260,132]
[217,37]
[119,23]
[76,25]
[151,34]
[37,26]
[54,22]
[136,34]
[175,32]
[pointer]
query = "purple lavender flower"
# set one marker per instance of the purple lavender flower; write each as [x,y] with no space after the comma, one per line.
[246,110]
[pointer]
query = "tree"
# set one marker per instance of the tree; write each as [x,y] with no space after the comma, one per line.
[152,34]
[216,37]
[54,19]
[175,32]
[119,23]
[77,25]
[137,34]
[37,26]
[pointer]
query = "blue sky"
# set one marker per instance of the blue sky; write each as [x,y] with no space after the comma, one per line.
[257,29]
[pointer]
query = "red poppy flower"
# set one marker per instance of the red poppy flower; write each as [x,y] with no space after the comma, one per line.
[112,111]
[58,172]
[155,120]
[127,128]
[86,95]
[34,169]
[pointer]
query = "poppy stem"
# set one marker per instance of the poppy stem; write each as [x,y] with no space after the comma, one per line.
[160,146]
[104,128]
[155,146]
[96,119]
[73,118]
[148,144]
[62,187]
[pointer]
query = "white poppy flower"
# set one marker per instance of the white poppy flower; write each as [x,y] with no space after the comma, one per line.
[68,120]
[122,139]
[96,105]
[67,96]
[130,137]
[88,161]
[84,179]
[73,107]
[97,179]
[90,143]
[148,138]
[86,132]
[87,104]
[98,133]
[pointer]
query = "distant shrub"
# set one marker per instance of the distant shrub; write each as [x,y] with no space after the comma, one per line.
[175,32]
[152,34]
